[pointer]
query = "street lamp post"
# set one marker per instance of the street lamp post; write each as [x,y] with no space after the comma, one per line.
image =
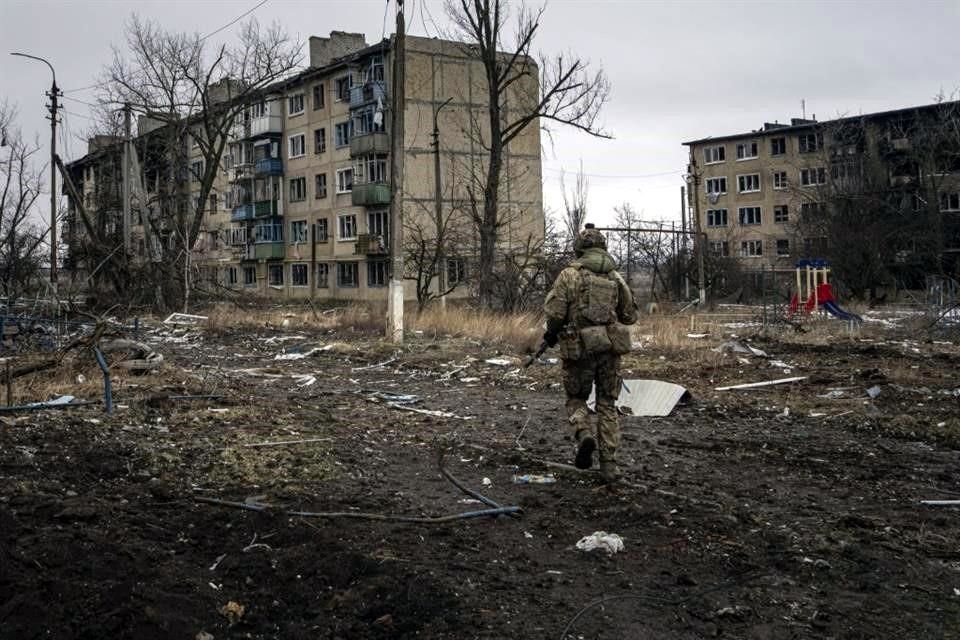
[53,94]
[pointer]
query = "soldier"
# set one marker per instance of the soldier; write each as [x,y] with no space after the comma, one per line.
[587,311]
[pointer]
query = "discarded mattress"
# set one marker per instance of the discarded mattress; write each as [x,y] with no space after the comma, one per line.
[651,398]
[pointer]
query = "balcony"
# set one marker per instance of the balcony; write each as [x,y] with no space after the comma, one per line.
[265,209]
[367,92]
[241,213]
[372,245]
[370,194]
[241,172]
[268,167]
[366,143]
[246,252]
[266,125]
[269,250]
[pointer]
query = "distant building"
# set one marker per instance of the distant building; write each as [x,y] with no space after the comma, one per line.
[300,207]
[754,192]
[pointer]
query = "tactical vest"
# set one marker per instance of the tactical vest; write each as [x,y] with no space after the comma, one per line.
[597,297]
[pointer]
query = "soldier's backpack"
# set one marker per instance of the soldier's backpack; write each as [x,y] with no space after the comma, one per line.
[597,299]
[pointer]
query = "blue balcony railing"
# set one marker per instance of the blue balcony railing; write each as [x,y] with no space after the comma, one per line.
[241,212]
[269,167]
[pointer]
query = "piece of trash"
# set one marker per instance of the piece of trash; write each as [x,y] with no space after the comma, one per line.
[609,542]
[428,412]
[651,398]
[486,482]
[786,412]
[532,478]
[527,534]
[469,501]
[739,347]
[697,336]
[551,360]
[81,378]
[941,503]
[232,611]
[184,318]
[468,380]
[394,398]
[738,612]
[833,394]
[500,362]
[873,391]
[766,383]
[299,355]
[52,403]
[305,380]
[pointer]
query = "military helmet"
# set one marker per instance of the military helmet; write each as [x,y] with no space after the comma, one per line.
[590,238]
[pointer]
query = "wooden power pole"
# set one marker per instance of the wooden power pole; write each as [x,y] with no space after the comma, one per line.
[126,179]
[438,206]
[395,297]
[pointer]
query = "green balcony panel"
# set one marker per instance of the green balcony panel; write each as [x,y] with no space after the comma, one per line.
[269,250]
[371,194]
[265,209]
[361,145]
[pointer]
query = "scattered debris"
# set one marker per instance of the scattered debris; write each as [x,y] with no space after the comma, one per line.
[941,503]
[873,392]
[279,443]
[141,357]
[738,347]
[765,383]
[300,355]
[500,362]
[609,542]
[532,478]
[232,611]
[697,336]
[184,319]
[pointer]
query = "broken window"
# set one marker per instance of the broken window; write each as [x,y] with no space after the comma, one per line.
[751,248]
[716,185]
[780,213]
[376,273]
[716,217]
[783,248]
[809,142]
[347,274]
[749,183]
[323,275]
[712,155]
[813,176]
[778,146]
[298,274]
[747,150]
[295,105]
[780,180]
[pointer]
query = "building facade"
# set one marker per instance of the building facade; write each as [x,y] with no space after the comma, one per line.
[301,203]
[762,198]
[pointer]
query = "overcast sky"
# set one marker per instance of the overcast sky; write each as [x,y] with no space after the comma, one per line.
[679,70]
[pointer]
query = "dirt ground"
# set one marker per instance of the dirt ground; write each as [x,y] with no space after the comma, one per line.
[789,511]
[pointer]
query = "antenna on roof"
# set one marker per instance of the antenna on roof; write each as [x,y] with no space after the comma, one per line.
[803,108]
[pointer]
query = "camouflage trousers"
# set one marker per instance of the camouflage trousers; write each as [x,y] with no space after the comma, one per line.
[579,376]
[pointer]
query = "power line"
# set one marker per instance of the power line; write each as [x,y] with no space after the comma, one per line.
[235,20]
[89,104]
[616,177]
[229,24]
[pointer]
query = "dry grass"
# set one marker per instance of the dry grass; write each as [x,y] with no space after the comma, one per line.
[363,318]
[518,330]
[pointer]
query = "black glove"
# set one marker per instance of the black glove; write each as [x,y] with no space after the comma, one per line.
[551,339]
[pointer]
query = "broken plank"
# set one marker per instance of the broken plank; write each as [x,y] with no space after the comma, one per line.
[765,383]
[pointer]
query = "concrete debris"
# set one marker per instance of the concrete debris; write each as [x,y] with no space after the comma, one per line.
[142,357]
[609,542]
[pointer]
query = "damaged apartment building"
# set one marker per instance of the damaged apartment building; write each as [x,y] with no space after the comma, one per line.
[887,182]
[301,203]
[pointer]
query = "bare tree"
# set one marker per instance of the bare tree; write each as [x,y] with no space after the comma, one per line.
[430,244]
[20,186]
[193,94]
[574,205]
[568,93]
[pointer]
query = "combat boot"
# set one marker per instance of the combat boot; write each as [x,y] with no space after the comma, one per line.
[586,444]
[609,470]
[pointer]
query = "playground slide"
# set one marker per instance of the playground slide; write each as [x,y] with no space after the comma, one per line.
[834,310]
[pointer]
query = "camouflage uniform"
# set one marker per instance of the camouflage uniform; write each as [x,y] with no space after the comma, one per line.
[584,367]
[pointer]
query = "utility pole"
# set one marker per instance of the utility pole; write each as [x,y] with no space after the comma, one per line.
[700,242]
[438,206]
[394,328]
[683,249]
[53,94]
[126,179]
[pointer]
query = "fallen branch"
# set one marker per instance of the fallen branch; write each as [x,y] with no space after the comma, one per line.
[765,383]
[262,508]
[279,443]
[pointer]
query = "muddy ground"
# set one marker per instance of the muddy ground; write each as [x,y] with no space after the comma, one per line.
[788,511]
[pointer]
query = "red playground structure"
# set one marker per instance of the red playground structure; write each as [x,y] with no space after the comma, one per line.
[819,292]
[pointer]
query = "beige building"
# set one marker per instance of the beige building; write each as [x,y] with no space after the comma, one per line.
[301,204]
[752,193]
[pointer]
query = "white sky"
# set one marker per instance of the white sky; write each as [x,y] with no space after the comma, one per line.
[679,70]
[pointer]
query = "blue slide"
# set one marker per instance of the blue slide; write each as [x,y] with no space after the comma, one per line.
[834,310]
